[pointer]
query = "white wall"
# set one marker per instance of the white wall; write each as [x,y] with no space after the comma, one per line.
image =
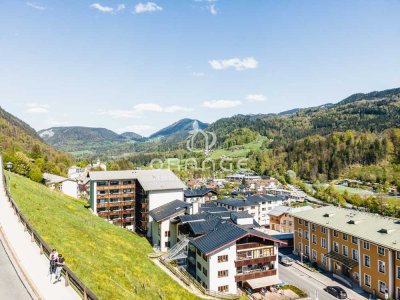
[70,188]
[158,198]
[215,266]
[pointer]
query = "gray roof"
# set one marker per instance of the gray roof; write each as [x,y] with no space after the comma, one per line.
[224,234]
[249,201]
[198,192]
[52,178]
[168,210]
[366,226]
[150,180]
[281,209]
[241,215]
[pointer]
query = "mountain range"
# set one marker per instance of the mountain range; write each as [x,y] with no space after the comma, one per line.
[372,112]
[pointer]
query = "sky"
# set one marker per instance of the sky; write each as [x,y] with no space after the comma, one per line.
[139,66]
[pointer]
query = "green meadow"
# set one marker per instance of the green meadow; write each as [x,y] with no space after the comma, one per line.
[111,261]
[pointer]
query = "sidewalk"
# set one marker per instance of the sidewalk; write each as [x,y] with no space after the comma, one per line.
[326,280]
[35,266]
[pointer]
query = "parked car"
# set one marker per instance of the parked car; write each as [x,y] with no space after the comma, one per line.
[285,260]
[336,291]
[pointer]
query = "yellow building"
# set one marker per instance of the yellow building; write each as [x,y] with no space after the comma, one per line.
[358,247]
[280,218]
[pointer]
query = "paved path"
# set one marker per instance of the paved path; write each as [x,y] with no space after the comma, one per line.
[35,266]
[312,282]
[11,286]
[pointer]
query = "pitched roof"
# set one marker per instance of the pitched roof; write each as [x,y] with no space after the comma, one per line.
[168,210]
[189,193]
[52,178]
[224,234]
[370,227]
[249,201]
[150,180]
[281,209]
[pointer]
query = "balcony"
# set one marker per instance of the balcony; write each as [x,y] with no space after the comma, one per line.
[255,273]
[250,246]
[242,260]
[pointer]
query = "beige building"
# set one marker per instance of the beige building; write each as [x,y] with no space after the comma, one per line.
[359,248]
[280,218]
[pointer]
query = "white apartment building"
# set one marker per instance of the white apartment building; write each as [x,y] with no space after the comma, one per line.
[258,206]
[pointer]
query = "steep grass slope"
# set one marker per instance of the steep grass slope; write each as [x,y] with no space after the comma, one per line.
[109,260]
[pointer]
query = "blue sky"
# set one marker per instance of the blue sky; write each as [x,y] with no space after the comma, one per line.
[139,65]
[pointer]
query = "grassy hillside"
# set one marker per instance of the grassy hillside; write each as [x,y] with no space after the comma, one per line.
[111,261]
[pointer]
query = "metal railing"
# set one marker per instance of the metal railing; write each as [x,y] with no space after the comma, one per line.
[70,277]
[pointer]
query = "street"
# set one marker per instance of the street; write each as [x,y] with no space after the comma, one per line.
[11,286]
[306,280]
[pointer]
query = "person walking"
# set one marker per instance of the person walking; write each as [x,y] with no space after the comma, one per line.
[59,266]
[53,260]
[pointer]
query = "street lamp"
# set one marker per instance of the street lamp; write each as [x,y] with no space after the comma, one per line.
[9,166]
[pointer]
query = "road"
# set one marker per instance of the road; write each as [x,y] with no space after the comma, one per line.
[308,282]
[11,286]
[290,275]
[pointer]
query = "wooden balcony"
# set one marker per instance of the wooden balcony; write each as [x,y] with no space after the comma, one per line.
[251,246]
[115,187]
[254,261]
[254,275]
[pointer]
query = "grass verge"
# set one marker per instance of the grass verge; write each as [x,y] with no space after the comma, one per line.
[111,261]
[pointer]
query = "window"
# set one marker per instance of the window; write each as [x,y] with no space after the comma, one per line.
[223,273]
[306,250]
[306,235]
[367,261]
[305,223]
[198,266]
[354,240]
[323,229]
[367,280]
[198,252]
[366,245]
[344,236]
[314,239]
[382,287]
[323,242]
[354,254]
[398,273]
[336,247]
[398,255]
[222,258]
[205,271]
[300,221]
[167,244]
[314,255]
[381,250]
[335,233]
[223,288]
[345,250]
[313,227]
[167,233]
[300,233]
[323,259]
[381,266]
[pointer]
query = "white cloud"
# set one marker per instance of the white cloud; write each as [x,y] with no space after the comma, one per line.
[222,103]
[37,108]
[236,63]
[104,9]
[256,98]
[138,110]
[36,6]
[147,7]
[213,9]
[198,74]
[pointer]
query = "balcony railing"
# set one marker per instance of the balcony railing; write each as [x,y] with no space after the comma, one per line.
[244,261]
[251,245]
[253,274]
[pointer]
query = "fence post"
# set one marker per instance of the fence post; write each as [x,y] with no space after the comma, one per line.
[66,279]
[32,237]
[84,294]
[41,249]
